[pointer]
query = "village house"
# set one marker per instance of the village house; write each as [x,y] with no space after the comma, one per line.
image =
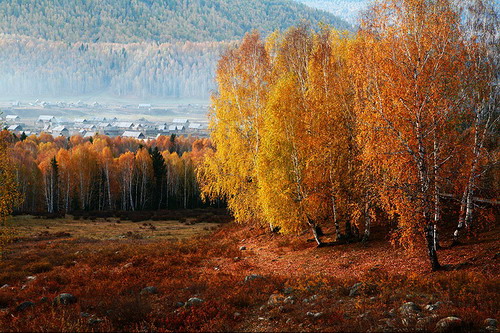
[13,118]
[124,125]
[15,128]
[180,121]
[134,134]
[60,131]
[46,119]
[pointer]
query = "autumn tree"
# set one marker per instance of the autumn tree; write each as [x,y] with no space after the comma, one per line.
[481,35]
[237,111]
[9,194]
[409,102]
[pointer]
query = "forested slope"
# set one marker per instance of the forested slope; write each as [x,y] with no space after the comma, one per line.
[164,48]
[40,68]
[146,20]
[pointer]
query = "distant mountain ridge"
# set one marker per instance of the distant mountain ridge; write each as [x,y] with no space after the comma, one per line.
[124,21]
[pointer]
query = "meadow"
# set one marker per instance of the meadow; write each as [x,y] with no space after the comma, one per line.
[193,274]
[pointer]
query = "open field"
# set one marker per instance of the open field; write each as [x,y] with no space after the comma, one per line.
[32,229]
[237,278]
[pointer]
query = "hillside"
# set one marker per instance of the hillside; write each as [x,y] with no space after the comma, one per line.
[346,9]
[32,68]
[141,49]
[126,21]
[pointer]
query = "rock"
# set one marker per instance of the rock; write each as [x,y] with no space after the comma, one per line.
[275,300]
[24,306]
[289,300]
[409,309]
[4,286]
[365,315]
[314,314]
[449,324]
[423,324]
[491,329]
[44,300]
[355,289]
[127,265]
[236,315]
[64,299]
[94,321]
[490,322]
[310,299]
[252,277]
[288,291]
[433,307]
[243,248]
[30,278]
[407,321]
[388,322]
[149,290]
[194,301]
[84,314]
[179,304]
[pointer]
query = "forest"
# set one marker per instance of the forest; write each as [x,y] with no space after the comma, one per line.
[36,68]
[166,49]
[384,126]
[60,175]
[163,21]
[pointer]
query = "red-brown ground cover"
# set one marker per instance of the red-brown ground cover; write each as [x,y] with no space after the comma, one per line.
[107,278]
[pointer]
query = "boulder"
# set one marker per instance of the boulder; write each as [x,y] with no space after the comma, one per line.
[194,301]
[94,321]
[314,314]
[252,277]
[64,299]
[423,324]
[449,324]
[149,290]
[275,300]
[433,307]
[490,322]
[243,248]
[24,306]
[355,289]
[409,309]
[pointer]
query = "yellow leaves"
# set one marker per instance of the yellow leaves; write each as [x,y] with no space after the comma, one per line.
[9,195]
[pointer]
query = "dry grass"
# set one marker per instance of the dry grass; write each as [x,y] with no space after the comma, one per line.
[107,273]
[31,228]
